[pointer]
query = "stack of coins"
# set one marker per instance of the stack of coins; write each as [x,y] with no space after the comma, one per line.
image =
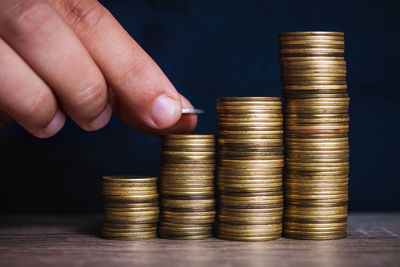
[250,161]
[313,75]
[187,186]
[131,208]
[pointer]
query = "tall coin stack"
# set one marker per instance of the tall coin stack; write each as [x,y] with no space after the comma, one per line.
[187,186]
[131,209]
[250,161]
[313,75]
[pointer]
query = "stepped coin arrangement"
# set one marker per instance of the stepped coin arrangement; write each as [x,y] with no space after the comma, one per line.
[313,75]
[131,208]
[250,161]
[187,186]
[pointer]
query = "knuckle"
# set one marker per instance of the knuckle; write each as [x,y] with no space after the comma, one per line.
[91,100]
[130,74]
[37,108]
[29,16]
[85,14]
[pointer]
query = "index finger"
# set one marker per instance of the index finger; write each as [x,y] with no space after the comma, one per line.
[142,94]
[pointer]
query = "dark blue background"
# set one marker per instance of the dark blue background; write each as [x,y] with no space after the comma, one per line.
[221,48]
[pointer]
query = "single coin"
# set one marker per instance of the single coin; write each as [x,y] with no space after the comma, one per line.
[311,33]
[252,111]
[249,228]
[253,98]
[125,227]
[314,87]
[129,237]
[187,111]
[311,37]
[250,116]
[190,237]
[249,239]
[131,219]
[129,179]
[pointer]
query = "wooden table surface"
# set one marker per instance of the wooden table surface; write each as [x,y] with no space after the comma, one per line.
[373,240]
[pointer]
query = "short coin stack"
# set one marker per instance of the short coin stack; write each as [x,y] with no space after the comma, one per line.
[250,161]
[187,186]
[313,75]
[131,208]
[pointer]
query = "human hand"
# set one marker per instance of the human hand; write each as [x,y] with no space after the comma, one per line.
[71,57]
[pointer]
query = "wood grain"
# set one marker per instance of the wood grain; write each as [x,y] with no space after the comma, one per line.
[373,240]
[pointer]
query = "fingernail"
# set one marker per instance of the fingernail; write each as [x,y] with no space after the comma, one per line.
[101,120]
[164,112]
[55,125]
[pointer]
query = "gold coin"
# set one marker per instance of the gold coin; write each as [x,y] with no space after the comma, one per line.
[290,55]
[131,219]
[318,102]
[262,184]
[290,139]
[249,220]
[248,136]
[129,179]
[188,192]
[246,116]
[188,136]
[286,83]
[318,198]
[129,237]
[303,156]
[190,237]
[249,228]
[314,61]
[250,111]
[128,187]
[260,141]
[285,46]
[298,77]
[251,163]
[307,81]
[311,37]
[317,237]
[269,125]
[125,227]
[184,217]
[190,154]
[133,198]
[112,193]
[175,228]
[174,219]
[189,149]
[253,98]
[189,160]
[295,45]
[260,199]
[239,122]
[316,121]
[313,76]
[249,239]
[310,33]
[253,108]
[310,50]
[314,87]
[130,213]
[187,203]
[273,185]
[318,132]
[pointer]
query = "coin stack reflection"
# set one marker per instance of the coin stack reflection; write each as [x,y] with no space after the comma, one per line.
[313,75]
[187,186]
[250,161]
[131,208]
